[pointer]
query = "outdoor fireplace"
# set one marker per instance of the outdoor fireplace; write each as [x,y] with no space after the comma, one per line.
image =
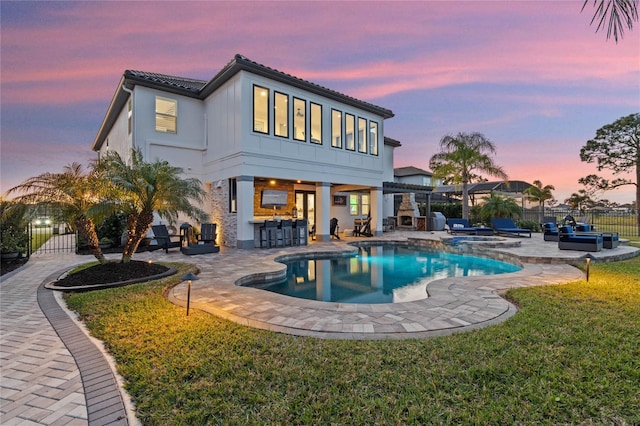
[408,212]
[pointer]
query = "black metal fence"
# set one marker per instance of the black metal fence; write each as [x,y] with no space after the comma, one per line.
[624,223]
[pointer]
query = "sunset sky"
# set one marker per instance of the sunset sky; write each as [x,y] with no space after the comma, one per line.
[533,77]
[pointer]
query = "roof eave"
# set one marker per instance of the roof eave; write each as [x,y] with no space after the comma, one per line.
[117,102]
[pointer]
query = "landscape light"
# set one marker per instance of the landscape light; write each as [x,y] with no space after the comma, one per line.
[189,277]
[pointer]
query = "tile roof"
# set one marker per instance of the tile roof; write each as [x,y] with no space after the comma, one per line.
[190,84]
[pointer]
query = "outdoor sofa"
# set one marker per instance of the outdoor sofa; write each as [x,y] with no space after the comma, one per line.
[550,232]
[569,240]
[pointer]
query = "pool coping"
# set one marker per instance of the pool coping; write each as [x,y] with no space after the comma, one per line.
[454,305]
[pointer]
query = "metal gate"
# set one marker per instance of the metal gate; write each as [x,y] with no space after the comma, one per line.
[47,236]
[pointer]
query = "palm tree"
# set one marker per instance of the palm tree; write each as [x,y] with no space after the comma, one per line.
[540,194]
[620,13]
[496,205]
[76,193]
[460,156]
[148,187]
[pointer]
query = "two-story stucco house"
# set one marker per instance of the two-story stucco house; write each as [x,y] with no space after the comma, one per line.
[252,128]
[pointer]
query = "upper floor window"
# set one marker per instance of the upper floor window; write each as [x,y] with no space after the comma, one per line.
[373,138]
[281,114]
[260,109]
[362,135]
[336,128]
[316,123]
[349,130]
[299,119]
[166,115]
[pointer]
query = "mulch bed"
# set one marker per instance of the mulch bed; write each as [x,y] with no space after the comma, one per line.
[111,272]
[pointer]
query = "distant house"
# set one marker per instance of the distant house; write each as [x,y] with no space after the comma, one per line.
[252,130]
[415,176]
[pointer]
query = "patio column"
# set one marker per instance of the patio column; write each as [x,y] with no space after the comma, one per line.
[245,212]
[323,211]
[376,209]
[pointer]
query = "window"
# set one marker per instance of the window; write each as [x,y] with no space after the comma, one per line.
[233,195]
[362,135]
[359,204]
[364,204]
[336,128]
[316,123]
[129,117]
[373,138]
[281,114]
[260,109]
[166,115]
[349,129]
[299,119]
[353,204]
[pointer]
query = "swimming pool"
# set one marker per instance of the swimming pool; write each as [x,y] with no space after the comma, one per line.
[379,274]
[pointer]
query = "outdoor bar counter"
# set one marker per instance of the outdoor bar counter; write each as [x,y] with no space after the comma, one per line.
[300,234]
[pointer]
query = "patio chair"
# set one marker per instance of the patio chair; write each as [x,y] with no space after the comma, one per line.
[550,232]
[506,226]
[569,240]
[208,233]
[162,236]
[333,228]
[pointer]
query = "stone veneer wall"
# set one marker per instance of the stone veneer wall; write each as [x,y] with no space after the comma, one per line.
[258,210]
[226,221]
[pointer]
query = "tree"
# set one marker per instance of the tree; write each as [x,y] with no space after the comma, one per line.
[617,13]
[147,187]
[460,156]
[579,200]
[76,192]
[616,147]
[496,205]
[538,193]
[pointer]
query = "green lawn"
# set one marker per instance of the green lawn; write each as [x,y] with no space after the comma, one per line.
[570,356]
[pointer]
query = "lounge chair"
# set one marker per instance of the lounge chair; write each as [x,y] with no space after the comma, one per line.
[457,225]
[161,235]
[569,240]
[506,226]
[550,232]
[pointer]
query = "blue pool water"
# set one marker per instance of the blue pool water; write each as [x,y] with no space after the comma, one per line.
[380,274]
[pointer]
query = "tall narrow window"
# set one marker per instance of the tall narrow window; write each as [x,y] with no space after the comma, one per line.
[316,123]
[349,130]
[373,138]
[260,109]
[129,117]
[281,114]
[166,115]
[336,128]
[353,204]
[299,119]
[362,135]
[233,195]
[364,204]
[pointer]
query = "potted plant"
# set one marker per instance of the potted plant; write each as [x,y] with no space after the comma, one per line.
[13,243]
[105,243]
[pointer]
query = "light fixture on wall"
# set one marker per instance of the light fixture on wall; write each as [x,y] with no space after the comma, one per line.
[299,113]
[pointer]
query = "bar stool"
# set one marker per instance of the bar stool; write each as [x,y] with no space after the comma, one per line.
[269,234]
[300,236]
[286,231]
